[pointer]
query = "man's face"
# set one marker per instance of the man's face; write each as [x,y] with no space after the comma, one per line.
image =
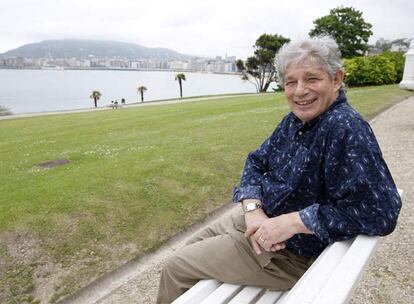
[310,90]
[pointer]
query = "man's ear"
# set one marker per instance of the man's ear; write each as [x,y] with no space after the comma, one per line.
[339,78]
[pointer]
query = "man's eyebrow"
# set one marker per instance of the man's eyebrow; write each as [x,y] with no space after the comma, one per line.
[306,74]
[313,73]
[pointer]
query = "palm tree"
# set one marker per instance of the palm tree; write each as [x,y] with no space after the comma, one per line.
[95,96]
[141,90]
[180,77]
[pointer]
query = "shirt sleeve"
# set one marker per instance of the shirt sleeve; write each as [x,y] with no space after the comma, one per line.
[361,197]
[257,163]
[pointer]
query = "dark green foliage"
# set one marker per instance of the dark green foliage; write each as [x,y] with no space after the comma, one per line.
[347,27]
[4,111]
[96,95]
[141,90]
[180,77]
[261,65]
[386,68]
[399,61]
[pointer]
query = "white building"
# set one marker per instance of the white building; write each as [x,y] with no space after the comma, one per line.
[397,47]
[178,65]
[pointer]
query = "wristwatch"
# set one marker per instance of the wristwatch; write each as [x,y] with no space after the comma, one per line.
[251,207]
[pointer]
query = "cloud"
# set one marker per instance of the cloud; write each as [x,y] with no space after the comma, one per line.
[213,27]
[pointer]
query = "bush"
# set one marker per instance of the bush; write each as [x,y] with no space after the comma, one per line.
[399,61]
[386,68]
[4,111]
[355,69]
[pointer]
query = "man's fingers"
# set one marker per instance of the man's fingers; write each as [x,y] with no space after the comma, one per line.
[278,246]
[249,232]
[255,245]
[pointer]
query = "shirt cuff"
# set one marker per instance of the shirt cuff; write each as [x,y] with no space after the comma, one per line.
[248,192]
[310,219]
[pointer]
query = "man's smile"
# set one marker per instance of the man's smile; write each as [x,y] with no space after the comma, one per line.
[305,102]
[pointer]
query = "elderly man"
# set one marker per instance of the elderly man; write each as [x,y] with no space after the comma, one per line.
[319,178]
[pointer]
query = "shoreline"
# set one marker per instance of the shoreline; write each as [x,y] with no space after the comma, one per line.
[129,105]
[117,69]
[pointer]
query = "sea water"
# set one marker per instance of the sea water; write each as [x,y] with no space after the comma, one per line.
[27,91]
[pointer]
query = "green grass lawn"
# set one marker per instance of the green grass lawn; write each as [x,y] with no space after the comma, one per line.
[136,177]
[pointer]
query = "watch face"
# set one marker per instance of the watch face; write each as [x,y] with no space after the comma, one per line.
[251,207]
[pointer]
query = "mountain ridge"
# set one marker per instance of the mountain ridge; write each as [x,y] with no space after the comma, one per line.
[87,49]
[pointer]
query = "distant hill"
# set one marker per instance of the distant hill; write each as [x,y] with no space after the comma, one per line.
[86,49]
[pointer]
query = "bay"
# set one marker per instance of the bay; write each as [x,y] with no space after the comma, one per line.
[28,91]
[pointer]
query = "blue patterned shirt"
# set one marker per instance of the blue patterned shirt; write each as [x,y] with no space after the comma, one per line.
[331,170]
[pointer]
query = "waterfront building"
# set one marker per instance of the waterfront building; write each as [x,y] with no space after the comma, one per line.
[194,64]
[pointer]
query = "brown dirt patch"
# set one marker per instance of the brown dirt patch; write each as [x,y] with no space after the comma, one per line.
[54,163]
[20,246]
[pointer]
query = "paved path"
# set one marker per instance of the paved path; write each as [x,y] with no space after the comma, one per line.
[390,277]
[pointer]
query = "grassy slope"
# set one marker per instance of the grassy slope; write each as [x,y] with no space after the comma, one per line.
[136,177]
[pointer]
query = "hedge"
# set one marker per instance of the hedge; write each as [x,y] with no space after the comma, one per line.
[385,68]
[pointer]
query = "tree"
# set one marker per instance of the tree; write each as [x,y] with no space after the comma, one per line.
[141,90]
[347,27]
[95,96]
[180,77]
[5,111]
[260,67]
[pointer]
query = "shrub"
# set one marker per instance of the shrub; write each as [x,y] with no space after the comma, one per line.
[386,68]
[398,59]
[355,68]
[4,111]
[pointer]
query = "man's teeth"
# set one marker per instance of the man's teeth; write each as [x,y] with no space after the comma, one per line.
[304,102]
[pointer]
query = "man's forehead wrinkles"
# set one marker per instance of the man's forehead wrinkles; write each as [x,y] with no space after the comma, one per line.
[304,72]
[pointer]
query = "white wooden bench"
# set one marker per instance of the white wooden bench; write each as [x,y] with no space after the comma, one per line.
[330,280]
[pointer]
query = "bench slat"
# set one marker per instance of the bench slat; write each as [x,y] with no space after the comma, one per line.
[340,286]
[270,297]
[198,292]
[321,286]
[330,280]
[247,295]
[223,294]
[317,275]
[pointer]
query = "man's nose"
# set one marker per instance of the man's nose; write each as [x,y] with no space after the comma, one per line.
[301,88]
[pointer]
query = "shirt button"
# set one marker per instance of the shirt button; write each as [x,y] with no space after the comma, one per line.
[300,133]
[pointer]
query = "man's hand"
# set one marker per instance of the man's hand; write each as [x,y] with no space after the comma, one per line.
[254,220]
[273,232]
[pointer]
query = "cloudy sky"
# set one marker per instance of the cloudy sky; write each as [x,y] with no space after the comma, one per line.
[206,28]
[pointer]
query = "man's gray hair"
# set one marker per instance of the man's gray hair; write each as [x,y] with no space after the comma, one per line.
[322,51]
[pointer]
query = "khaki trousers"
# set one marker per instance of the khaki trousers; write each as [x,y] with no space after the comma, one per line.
[222,252]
